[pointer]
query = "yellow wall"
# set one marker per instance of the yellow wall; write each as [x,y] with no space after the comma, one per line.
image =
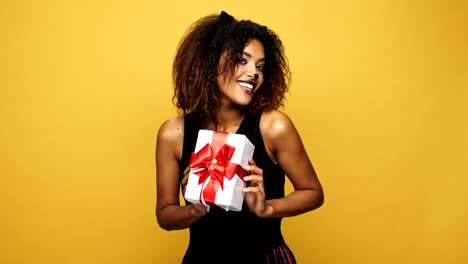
[378,94]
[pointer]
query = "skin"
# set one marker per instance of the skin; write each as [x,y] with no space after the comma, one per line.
[281,138]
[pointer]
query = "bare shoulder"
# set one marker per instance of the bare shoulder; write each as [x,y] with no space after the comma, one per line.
[276,127]
[275,123]
[171,135]
[172,128]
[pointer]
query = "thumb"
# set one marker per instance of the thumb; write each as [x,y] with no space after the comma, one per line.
[186,174]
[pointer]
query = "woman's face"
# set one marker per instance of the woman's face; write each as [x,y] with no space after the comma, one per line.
[238,89]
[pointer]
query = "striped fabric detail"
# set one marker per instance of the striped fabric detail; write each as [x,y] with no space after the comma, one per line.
[280,255]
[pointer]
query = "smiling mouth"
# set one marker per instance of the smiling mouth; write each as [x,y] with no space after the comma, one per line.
[250,85]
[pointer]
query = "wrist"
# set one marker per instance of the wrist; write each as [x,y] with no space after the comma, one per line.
[191,209]
[268,212]
[196,210]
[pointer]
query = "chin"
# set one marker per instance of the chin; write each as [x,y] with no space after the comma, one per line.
[244,102]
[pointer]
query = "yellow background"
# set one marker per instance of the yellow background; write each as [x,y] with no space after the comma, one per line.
[379,95]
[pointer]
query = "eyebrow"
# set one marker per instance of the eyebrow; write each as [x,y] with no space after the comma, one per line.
[250,56]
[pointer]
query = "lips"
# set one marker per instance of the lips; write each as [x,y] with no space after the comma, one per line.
[249,85]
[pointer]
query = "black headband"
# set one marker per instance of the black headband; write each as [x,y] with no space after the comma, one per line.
[225,18]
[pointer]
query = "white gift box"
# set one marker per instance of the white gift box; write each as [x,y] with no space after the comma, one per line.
[232,150]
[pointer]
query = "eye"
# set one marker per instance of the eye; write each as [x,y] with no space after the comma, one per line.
[261,67]
[242,61]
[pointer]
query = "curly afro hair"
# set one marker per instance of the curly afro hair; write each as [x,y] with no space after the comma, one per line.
[195,66]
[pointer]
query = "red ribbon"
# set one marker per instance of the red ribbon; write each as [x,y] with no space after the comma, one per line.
[214,160]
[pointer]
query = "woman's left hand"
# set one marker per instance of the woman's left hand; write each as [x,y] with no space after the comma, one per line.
[254,193]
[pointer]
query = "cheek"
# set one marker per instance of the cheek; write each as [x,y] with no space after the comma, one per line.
[238,71]
[261,79]
[223,81]
[220,81]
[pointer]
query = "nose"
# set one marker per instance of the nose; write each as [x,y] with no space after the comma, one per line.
[252,71]
[253,75]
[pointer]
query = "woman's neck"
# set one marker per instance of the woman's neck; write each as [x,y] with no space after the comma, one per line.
[227,120]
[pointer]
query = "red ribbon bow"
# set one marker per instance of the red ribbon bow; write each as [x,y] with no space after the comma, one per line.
[214,160]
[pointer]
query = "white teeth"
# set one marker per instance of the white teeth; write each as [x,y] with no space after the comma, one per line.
[246,85]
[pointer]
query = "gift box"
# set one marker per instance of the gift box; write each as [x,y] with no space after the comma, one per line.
[217,168]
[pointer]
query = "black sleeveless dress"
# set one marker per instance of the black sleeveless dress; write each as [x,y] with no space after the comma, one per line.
[237,237]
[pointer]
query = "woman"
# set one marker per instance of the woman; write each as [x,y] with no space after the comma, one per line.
[231,76]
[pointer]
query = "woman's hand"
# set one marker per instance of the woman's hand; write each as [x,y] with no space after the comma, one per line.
[196,209]
[255,191]
[185,179]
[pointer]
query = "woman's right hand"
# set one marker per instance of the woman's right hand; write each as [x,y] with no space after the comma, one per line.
[196,209]
[185,179]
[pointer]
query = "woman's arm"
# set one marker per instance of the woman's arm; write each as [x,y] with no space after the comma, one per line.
[284,144]
[170,215]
